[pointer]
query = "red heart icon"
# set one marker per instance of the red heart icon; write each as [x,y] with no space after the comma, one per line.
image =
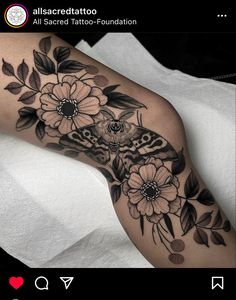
[16,282]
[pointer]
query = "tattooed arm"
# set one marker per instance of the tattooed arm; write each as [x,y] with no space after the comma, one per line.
[56,97]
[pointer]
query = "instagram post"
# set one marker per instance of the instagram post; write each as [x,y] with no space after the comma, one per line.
[117,149]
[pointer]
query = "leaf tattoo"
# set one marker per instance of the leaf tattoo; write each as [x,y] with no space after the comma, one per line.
[169,225]
[115,192]
[142,224]
[205,219]
[43,63]
[106,173]
[217,238]
[28,97]
[201,237]
[34,80]
[71,153]
[217,220]
[61,53]
[55,146]
[121,101]
[188,217]
[45,44]
[118,168]
[22,71]
[191,187]
[40,130]
[7,68]
[178,165]
[14,87]
[28,118]
[70,66]
[206,198]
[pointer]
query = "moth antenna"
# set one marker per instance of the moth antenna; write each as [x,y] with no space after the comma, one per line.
[108,113]
[124,115]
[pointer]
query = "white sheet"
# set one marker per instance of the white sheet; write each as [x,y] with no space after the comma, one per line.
[57,213]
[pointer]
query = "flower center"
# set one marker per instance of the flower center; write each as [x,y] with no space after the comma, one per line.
[150,190]
[68,108]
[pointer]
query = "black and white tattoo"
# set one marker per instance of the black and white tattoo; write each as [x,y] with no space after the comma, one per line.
[81,113]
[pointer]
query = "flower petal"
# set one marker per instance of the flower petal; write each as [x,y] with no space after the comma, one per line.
[162,175]
[133,211]
[169,192]
[135,181]
[125,188]
[82,120]
[89,106]
[147,172]
[134,168]
[62,90]
[52,132]
[175,205]
[39,113]
[160,205]
[51,118]
[145,207]
[65,126]
[48,103]
[155,218]
[98,93]
[156,161]
[81,91]
[99,117]
[47,88]
[70,79]
[175,181]
[135,196]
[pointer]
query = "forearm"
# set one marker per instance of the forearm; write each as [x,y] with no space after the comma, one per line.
[80,108]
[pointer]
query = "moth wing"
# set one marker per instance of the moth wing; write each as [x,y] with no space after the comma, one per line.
[145,143]
[129,154]
[81,139]
[99,152]
[149,143]
[86,139]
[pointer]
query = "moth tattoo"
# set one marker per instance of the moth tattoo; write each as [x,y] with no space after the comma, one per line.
[116,136]
[80,112]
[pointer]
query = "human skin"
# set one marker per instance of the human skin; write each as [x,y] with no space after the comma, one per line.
[158,195]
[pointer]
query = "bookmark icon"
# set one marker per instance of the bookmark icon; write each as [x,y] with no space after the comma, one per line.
[67,281]
[217,281]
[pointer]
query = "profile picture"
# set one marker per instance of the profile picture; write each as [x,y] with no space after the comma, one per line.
[16,15]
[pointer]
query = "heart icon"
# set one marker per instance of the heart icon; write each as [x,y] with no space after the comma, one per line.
[16,282]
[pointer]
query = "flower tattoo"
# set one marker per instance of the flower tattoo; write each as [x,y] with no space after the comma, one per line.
[79,112]
[70,105]
[152,190]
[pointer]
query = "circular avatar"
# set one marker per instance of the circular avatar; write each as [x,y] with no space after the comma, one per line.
[16,15]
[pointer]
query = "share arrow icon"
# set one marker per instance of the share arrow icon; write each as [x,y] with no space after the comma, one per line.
[67,281]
